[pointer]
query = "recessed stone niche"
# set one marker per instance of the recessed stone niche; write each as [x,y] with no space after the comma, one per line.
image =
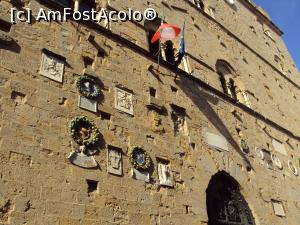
[164,173]
[124,100]
[178,116]
[52,66]
[114,161]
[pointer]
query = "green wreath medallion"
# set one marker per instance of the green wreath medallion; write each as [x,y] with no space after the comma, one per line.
[139,158]
[88,87]
[83,131]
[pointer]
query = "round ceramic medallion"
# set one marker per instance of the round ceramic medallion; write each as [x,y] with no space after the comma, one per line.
[139,158]
[83,131]
[88,87]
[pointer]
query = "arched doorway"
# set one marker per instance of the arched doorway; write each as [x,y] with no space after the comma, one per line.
[225,204]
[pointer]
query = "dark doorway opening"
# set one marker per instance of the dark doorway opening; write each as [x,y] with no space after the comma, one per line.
[225,204]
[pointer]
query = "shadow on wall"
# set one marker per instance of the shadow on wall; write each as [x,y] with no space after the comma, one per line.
[7,43]
[201,99]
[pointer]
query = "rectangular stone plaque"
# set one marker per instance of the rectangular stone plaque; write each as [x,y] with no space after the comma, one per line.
[52,67]
[87,104]
[124,101]
[164,174]
[278,208]
[140,175]
[216,141]
[114,161]
[279,147]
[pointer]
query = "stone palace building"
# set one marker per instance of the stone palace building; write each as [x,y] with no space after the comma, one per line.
[99,127]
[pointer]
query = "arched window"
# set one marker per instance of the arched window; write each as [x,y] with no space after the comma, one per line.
[225,72]
[225,204]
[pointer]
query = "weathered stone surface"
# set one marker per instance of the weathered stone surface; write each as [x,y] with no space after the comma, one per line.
[87,104]
[140,175]
[82,160]
[39,185]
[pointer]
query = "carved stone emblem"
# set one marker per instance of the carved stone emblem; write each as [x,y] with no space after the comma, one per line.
[87,104]
[52,67]
[164,173]
[123,101]
[82,157]
[114,161]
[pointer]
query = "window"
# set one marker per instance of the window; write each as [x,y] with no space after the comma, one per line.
[5,26]
[231,87]
[169,51]
[252,28]
[151,27]
[230,2]
[86,5]
[65,3]
[152,92]
[199,4]
[268,33]
[225,72]
[92,186]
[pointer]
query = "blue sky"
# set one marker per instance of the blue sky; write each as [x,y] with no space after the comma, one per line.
[285,14]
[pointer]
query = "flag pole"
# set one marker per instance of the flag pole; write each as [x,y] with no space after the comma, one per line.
[159,42]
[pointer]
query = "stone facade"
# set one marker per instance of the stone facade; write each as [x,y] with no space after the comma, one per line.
[192,131]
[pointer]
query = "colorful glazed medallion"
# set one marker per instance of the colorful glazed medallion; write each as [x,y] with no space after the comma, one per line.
[83,131]
[88,87]
[139,158]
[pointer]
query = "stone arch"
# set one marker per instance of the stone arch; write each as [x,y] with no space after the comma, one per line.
[225,203]
[226,73]
[230,84]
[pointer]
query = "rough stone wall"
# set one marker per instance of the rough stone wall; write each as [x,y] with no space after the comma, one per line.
[38,185]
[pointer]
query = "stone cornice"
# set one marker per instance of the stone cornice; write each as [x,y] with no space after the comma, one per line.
[254,9]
